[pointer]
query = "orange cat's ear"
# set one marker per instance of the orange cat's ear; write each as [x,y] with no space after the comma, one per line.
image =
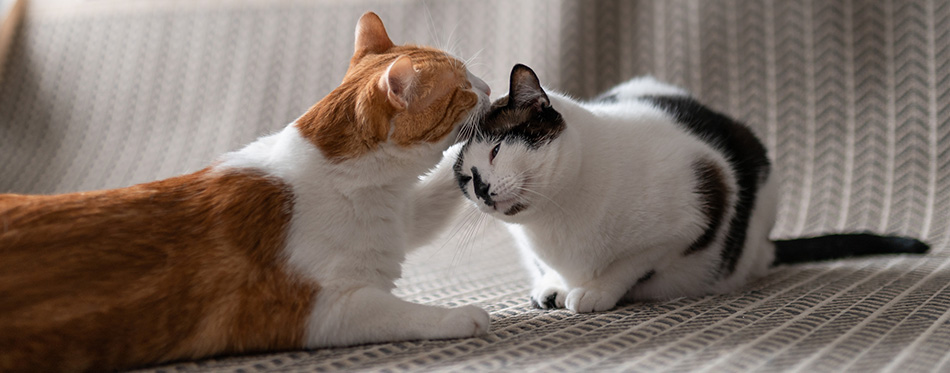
[397,82]
[371,37]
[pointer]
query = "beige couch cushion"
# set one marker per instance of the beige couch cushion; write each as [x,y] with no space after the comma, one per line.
[851,98]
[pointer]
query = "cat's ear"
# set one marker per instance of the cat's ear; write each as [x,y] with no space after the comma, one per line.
[525,90]
[371,36]
[398,81]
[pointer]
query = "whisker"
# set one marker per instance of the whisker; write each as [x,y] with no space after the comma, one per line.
[467,128]
[452,47]
[469,61]
[468,239]
[430,25]
[479,229]
[524,189]
[463,221]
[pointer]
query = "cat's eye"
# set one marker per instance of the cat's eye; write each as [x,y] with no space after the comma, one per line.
[494,152]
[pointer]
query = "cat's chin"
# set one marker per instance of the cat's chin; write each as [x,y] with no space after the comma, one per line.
[502,209]
[516,208]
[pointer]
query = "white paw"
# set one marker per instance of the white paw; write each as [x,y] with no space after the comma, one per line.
[583,300]
[548,297]
[466,321]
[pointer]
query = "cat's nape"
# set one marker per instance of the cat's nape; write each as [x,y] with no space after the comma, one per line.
[292,242]
[640,193]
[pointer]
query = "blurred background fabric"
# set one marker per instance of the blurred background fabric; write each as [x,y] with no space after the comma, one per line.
[852,98]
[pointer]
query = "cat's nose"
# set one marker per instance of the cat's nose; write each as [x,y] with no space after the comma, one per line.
[479,84]
[481,188]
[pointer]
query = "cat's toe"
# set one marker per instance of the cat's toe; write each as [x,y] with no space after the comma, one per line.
[536,305]
[549,298]
[467,321]
[583,300]
[549,302]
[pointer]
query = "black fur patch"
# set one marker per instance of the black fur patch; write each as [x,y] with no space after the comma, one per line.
[516,208]
[481,188]
[525,114]
[839,246]
[534,304]
[713,193]
[508,124]
[548,303]
[746,154]
[532,126]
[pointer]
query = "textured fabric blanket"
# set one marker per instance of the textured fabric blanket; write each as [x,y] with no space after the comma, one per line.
[851,97]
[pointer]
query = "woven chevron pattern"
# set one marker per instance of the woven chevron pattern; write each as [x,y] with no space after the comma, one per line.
[852,98]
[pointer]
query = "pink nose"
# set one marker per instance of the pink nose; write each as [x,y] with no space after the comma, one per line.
[479,84]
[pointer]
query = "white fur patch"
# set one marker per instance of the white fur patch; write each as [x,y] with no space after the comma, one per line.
[613,199]
[350,231]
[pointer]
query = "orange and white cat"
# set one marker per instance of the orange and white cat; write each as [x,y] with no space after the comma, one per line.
[291,242]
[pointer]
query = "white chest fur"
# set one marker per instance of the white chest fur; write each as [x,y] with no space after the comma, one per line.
[351,227]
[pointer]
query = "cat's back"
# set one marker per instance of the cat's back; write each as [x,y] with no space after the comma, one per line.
[149,262]
[623,128]
[645,96]
[626,114]
[633,90]
[649,104]
[142,215]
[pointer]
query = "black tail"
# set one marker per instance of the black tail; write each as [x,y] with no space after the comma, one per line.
[838,246]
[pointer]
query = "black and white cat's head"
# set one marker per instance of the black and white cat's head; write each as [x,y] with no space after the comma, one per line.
[505,168]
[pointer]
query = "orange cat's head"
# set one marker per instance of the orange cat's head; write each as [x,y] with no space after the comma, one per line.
[404,95]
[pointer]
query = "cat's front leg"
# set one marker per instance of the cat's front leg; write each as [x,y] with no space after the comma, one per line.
[603,291]
[372,315]
[435,200]
[548,291]
[591,298]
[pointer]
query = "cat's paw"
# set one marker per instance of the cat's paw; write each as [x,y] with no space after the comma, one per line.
[466,321]
[583,300]
[548,297]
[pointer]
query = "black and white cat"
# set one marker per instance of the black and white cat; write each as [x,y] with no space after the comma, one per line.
[642,193]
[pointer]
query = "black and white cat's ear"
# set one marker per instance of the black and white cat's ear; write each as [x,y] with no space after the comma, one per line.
[525,90]
[371,36]
[398,81]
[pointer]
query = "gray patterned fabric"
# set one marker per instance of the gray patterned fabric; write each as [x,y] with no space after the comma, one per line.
[852,98]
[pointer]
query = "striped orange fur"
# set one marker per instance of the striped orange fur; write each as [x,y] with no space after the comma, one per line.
[174,269]
[439,98]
